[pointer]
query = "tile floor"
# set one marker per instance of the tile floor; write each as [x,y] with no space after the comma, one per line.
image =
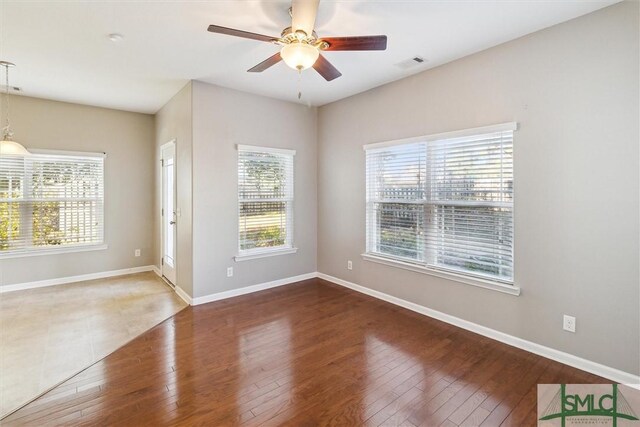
[49,334]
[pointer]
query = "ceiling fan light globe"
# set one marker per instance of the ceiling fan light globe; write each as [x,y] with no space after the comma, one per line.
[299,56]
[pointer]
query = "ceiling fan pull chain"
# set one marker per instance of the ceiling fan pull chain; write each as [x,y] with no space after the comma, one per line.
[299,84]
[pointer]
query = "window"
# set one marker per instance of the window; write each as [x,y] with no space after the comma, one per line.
[50,202]
[444,202]
[265,201]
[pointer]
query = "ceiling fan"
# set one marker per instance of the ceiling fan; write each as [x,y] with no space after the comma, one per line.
[300,45]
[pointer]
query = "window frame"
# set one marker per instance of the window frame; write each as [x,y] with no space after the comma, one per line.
[288,247]
[422,266]
[66,248]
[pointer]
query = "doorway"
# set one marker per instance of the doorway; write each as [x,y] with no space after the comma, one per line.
[168,213]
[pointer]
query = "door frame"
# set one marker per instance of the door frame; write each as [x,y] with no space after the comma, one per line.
[173,141]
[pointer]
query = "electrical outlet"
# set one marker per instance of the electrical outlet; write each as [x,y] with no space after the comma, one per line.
[569,323]
[349,265]
[229,271]
[137,252]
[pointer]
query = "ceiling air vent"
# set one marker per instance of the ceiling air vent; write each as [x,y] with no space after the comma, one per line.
[11,88]
[410,63]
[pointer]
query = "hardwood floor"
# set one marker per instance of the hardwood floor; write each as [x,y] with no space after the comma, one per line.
[310,353]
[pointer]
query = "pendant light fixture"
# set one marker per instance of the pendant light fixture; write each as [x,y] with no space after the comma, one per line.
[8,146]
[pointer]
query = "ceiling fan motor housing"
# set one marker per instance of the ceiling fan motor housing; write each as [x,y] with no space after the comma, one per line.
[288,36]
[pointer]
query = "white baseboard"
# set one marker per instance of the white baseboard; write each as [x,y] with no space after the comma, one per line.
[182,294]
[73,279]
[250,289]
[237,292]
[550,353]
[178,290]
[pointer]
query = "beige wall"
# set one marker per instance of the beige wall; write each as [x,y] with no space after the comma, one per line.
[174,121]
[573,89]
[223,118]
[127,138]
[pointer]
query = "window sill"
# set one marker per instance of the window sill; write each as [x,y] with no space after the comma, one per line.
[54,251]
[264,254]
[486,284]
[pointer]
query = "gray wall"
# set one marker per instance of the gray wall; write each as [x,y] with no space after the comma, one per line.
[573,89]
[127,138]
[174,121]
[223,118]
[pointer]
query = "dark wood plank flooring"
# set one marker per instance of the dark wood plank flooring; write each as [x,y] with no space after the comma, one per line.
[306,354]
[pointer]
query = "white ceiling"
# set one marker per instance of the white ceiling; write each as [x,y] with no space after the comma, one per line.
[62,50]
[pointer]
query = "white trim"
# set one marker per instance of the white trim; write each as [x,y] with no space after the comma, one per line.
[73,279]
[460,278]
[54,251]
[250,289]
[68,153]
[171,141]
[550,353]
[266,149]
[177,289]
[444,135]
[182,294]
[264,254]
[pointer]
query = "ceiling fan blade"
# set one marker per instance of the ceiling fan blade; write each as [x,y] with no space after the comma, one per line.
[303,15]
[272,60]
[325,69]
[356,43]
[239,33]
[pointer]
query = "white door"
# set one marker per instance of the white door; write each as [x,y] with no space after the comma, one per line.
[168,153]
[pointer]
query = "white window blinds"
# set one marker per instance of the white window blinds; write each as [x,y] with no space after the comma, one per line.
[445,203]
[265,199]
[50,201]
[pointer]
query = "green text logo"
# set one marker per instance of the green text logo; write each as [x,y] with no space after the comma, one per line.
[612,405]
